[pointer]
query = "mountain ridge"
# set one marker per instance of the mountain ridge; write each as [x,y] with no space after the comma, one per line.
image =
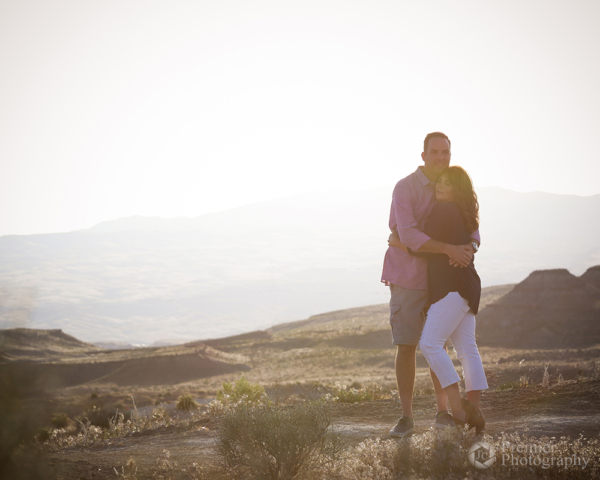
[260,265]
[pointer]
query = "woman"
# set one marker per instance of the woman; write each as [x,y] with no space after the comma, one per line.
[454,296]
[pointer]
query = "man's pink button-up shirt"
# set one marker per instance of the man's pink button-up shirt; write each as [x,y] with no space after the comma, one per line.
[412,201]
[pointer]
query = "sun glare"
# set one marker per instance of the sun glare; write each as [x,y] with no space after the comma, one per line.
[200,108]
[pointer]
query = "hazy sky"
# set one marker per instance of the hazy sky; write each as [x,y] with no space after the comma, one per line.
[181,107]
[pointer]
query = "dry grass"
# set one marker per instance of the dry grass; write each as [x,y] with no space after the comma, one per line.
[118,426]
[444,454]
[259,438]
[294,442]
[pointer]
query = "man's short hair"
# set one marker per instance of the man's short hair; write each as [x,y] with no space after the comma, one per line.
[434,135]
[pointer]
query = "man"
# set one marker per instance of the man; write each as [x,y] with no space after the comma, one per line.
[406,275]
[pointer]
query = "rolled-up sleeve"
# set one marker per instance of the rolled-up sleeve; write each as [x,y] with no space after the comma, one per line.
[406,225]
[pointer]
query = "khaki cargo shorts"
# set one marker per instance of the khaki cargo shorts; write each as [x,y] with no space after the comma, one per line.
[406,314]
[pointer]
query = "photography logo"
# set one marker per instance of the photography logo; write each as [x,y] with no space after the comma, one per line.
[482,455]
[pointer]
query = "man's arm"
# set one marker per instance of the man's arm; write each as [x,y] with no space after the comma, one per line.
[417,241]
[460,255]
[406,224]
[433,246]
[476,239]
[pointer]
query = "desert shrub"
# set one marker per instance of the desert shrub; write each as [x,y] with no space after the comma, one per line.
[186,402]
[128,471]
[435,454]
[546,376]
[371,459]
[88,434]
[44,435]
[276,442]
[443,454]
[563,448]
[118,425]
[168,467]
[240,393]
[242,389]
[373,391]
[100,415]
[439,454]
[60,420]
[160,415]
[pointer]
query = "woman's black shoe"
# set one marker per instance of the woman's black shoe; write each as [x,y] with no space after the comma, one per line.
[473,417]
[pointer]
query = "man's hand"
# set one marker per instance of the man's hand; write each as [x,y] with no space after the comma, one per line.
[460,255]
[469,246]
[394,239]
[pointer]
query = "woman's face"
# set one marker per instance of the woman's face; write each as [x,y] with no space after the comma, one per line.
[444,191]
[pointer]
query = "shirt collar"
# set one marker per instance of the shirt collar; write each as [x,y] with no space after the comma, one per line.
[421,177]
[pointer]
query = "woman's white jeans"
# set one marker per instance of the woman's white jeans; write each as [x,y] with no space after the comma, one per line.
[451,318]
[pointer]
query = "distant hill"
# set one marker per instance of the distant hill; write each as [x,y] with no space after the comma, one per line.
[592,276]
[26,344]
[142,280]
[549,309]
[46,359]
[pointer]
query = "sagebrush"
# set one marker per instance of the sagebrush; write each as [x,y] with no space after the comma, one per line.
[271,442]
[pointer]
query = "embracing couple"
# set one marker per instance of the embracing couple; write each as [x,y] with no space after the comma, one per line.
[435,289]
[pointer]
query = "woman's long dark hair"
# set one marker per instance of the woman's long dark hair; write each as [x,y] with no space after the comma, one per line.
[464,196]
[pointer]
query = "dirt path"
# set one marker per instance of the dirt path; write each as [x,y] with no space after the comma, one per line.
[568,410]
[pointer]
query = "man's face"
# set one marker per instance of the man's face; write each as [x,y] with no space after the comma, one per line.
[437,157]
